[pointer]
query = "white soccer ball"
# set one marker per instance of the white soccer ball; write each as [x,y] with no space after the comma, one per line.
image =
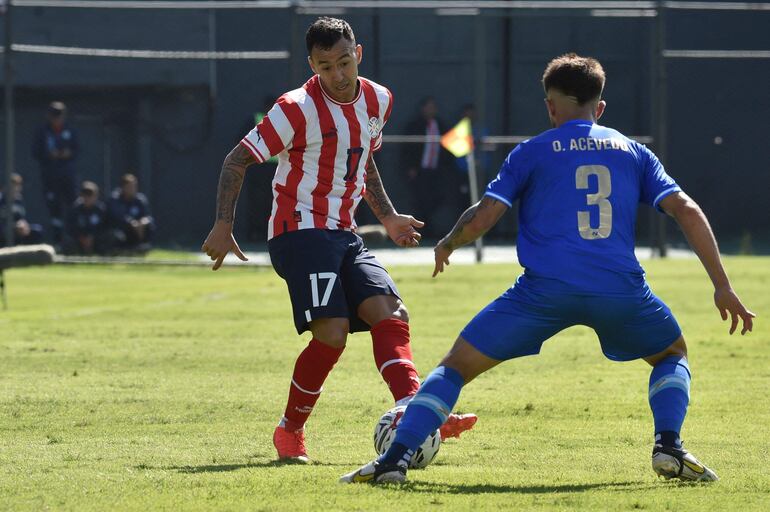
[385,432]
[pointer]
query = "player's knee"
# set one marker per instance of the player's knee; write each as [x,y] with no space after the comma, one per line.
[336,339]
[677,348]
[680,346]
[401,313]
[382,307]
[395,311]
[331,332]
[466,360]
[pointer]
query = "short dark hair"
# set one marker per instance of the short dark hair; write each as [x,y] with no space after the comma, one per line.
[573,75]
[325,32]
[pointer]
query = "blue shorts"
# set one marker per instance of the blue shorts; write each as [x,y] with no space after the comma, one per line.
[329,274]
[519,322]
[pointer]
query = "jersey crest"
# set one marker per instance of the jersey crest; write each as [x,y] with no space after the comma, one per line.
[374,127]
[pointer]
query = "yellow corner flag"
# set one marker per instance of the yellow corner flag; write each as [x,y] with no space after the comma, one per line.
[459,140]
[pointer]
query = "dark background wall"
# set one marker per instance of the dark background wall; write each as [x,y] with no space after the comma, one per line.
[173,121]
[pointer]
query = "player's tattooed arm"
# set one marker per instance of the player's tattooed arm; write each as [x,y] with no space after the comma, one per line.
[220,240]
[375,195]
[401,228]
[230,182]
[473,223]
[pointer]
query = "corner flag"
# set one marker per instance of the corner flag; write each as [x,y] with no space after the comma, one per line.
[459,140]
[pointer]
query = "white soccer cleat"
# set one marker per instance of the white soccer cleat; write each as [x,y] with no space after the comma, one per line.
[678,463]
[376,473]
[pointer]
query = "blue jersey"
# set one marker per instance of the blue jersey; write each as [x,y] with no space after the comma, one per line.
[578,188]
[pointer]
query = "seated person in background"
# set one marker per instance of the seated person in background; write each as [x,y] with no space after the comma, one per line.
[131,223]
[86,227]
[24,233]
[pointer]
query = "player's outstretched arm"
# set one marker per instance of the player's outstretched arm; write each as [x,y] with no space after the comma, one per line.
[400,228]
[221,240]
[698,232]
[477,220]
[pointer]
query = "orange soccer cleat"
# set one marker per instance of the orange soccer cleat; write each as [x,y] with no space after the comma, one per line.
[290,445]
[456,424]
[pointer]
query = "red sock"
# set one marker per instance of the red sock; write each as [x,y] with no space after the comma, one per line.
[393,357]
[310,371]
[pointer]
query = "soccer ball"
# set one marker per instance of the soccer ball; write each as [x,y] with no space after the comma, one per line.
[385,432]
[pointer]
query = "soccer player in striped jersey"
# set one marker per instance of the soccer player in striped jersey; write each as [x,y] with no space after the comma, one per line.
[325,134]
[578,187]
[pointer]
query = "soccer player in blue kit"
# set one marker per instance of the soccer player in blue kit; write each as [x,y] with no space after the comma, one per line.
[578,187]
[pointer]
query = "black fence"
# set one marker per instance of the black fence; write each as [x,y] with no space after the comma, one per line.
[688,78]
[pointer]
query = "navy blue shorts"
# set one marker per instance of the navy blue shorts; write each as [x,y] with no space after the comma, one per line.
[519,322]
[329,274]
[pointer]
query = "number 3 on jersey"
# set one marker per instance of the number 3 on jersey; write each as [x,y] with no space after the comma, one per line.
[599,199]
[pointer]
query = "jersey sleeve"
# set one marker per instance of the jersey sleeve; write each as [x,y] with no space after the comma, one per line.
[656,183]
[385,117]
[276,130]
[514,173]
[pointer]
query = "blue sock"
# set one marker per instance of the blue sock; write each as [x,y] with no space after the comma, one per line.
[669,396]
[426,412]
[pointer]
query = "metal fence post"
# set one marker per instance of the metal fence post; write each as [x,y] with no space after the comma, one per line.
[10,125]
[660,128]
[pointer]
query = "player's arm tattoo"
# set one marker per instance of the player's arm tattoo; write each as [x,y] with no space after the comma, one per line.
[375,195]
[230,181]
[474,222]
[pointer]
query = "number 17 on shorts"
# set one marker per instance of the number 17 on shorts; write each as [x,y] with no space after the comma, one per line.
[320,281]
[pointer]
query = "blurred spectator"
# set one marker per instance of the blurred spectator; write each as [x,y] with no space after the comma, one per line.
[257,183]
[86,227]
[428,167]
[24,233]
[130,220]
[55,147]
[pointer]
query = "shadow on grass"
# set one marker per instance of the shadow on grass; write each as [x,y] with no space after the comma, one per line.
[222,468]
[429,487]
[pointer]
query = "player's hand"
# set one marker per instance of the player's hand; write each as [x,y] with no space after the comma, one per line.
[219,242]
[441,253]
[402,229]
[726,302]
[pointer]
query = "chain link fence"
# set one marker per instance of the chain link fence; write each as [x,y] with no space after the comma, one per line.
[165,89]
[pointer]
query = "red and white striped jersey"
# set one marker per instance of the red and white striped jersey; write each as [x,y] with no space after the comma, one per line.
[322,147]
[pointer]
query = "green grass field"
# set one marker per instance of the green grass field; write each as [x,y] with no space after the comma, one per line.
[158,388]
